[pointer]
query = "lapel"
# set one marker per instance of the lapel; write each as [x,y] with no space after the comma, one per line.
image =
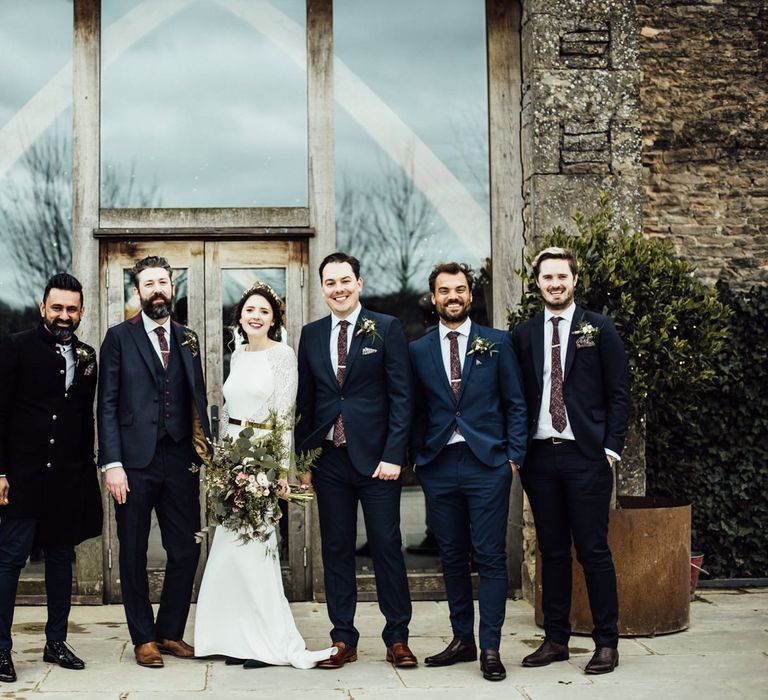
[184,352]
[437,357]
[325,340]
[469,361]
[137,332]
[354,348]
[578,314]
[537,346]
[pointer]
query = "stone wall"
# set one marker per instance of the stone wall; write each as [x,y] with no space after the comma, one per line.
[704,113]
[580,119]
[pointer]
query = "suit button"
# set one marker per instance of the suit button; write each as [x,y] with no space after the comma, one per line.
[155,399]
[62,371]
[458,413]
[52,441]
[342,398]
[154,420]
[54,417]
[49,465]
[66,396]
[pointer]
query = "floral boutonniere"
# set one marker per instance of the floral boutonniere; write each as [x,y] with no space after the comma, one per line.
[191,341]
[368,329]
[84,356]
[586,334]
[482,346]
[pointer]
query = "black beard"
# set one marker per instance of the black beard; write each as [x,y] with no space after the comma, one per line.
[454,317]
[61,330]
[157,311]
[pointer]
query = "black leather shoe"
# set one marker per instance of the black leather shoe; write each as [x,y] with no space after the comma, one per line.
[456,651]
[233,661]
[548,652]
[60,653]
[491,666]
[7,671]
[604,660]
[255,663]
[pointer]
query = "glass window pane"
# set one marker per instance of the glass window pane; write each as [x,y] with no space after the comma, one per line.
[204,104]
[35,154]
[411,146]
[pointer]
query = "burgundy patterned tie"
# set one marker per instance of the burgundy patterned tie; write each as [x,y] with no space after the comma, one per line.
[455,363]
[556,402]
[339,438]
[164,349]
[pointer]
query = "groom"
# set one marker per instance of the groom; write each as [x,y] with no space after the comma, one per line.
[469,438]
[354,401]
[152,418]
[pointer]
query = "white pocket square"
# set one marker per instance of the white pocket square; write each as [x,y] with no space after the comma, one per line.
[369,351]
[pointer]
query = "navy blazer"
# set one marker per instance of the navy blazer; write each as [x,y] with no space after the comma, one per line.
[374,399]
[490,409]
[595,382]
[129,392]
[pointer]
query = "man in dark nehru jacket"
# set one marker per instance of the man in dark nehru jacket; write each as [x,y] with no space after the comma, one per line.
[49,490]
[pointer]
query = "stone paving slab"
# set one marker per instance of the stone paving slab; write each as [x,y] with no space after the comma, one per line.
[724,655]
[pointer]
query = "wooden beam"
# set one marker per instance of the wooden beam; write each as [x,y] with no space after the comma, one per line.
[217,233]
[165,218]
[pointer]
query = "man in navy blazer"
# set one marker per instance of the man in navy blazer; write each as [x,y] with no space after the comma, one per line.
[577,389]
[354,401]
[153,423]
[469,437]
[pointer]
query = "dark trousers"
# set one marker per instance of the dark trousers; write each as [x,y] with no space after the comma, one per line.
[17,536]
[570,497]
[168,486]
[339,488]
[468,509]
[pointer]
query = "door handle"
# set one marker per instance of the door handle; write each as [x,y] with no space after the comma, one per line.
[215,421]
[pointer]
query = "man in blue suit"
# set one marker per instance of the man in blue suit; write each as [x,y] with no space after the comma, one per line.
[153,422]
[354,401]
[577,390]
[468,439]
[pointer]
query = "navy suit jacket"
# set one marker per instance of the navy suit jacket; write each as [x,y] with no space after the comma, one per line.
[374,399]
[490,409]
[129,392]
[595,382]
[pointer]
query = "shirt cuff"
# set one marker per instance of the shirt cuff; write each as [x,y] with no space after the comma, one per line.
[110,465]
[612,454]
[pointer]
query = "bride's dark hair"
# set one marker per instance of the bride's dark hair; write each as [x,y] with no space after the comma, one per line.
[263,290]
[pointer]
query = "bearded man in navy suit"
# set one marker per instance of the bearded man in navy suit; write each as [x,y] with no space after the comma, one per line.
[354,401]
[468,439]
[577,389]
[153,424]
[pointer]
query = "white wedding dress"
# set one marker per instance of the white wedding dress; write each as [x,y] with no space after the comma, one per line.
[241,608]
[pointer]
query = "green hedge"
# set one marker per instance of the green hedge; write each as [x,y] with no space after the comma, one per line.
[713,447]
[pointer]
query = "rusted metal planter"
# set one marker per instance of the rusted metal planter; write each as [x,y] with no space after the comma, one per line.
[650,539]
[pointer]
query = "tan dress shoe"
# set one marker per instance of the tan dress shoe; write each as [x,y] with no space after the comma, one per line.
[176,647]
[344,655]
[400,656]
[148,655]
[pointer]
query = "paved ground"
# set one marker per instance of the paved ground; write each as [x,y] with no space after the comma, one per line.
[723,655]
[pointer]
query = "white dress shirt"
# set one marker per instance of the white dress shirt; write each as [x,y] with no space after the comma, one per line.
[149,326]
[334,343]
[68,353]
[445,350]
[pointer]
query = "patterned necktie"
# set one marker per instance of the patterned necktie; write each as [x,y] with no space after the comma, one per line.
[164,349]
[455,363]
[339,438]
[556,402]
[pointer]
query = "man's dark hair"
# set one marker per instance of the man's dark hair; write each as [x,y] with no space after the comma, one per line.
[555,254]
[146,263]
[65,281]
[339,257]
[452,268]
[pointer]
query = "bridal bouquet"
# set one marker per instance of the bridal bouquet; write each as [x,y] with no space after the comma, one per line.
[241,480]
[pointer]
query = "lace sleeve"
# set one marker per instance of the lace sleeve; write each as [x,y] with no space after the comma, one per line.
[283,398]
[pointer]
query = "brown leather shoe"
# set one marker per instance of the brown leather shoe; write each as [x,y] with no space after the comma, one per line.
[148,655]
[604,660]
[548,652]
[176,647]
[344,655]
[400,656]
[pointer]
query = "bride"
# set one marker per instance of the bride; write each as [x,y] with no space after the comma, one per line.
[242,612]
